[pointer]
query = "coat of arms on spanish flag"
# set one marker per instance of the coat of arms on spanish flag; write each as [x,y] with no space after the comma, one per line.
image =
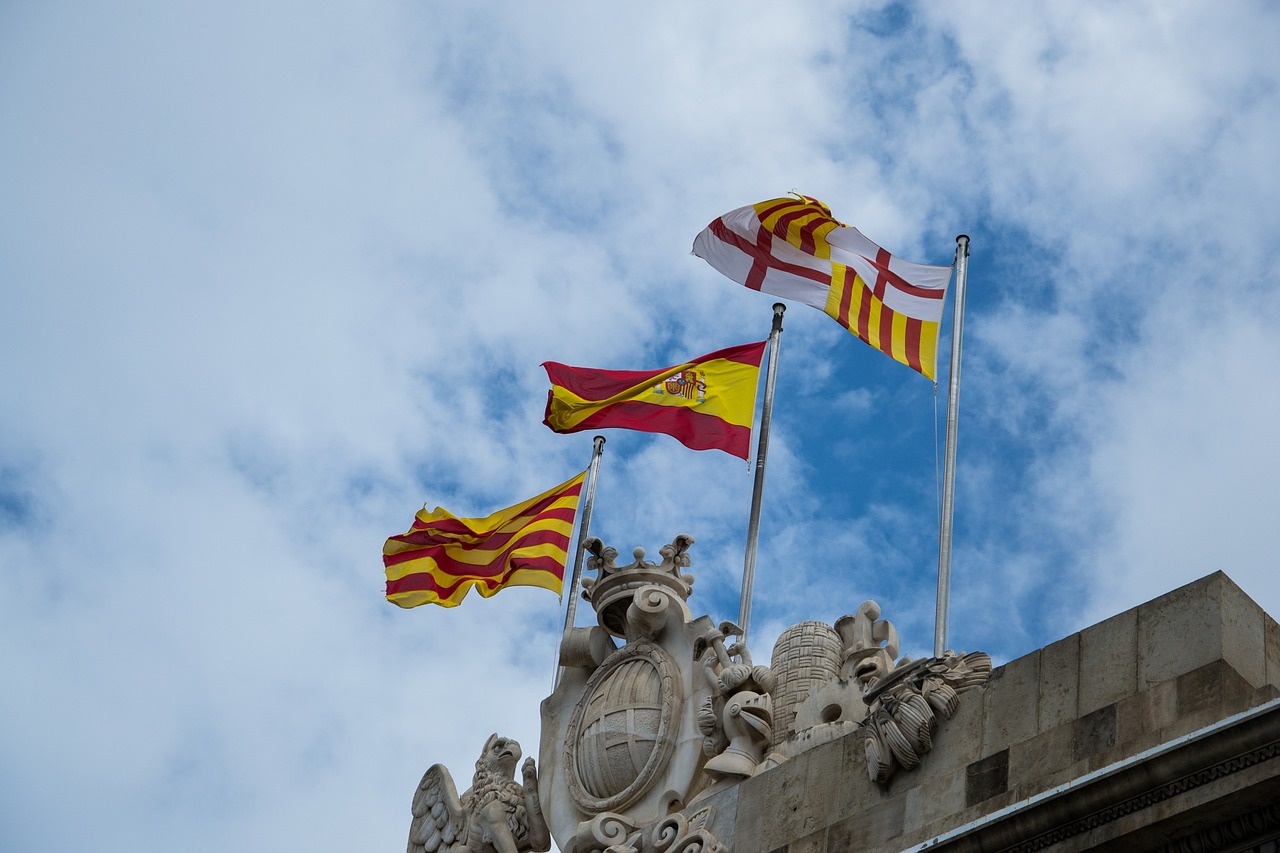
[705,404]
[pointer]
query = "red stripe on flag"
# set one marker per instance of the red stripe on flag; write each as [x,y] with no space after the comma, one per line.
[695,430]
[882,273]
[425,582]
[742,244]
[494,568]
[759,263]
[913,343]
[450,527]
[783,224]
[435,537]
[886,330]
[846,296]
[885,276]
[783,204]
[592,383]
[864,314]
[807,240]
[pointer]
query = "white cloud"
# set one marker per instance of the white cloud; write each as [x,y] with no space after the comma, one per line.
[274,277]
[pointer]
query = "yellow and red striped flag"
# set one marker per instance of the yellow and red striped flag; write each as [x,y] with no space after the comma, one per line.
[793,248]
[707,403]
[442,557]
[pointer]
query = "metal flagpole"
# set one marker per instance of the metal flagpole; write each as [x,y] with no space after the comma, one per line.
[762,451]
[949,460]
[584,526]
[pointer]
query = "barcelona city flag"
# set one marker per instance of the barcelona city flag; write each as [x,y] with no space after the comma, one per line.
[442,557]
[793,248]
[705,404]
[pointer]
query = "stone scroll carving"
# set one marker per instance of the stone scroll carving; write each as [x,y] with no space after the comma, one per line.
[495,815]
[905,699]
[676,833]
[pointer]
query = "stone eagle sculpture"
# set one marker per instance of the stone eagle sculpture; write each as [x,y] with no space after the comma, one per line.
[495,815]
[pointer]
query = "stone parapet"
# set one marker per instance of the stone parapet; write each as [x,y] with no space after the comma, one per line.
[1158,721]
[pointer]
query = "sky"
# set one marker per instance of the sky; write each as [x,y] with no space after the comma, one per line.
[274,276]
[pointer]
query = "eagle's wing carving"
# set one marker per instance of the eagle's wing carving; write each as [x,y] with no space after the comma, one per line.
[439,820]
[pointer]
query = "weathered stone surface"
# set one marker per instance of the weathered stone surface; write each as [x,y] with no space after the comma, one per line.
[1142,719]
[1062,724]
[754,806]
[1273,650]
[783,805]
[1215,688]
[1210,619]
[1108,661]
[1059,683]
[1043,723]
[1093,733]
[986,778]
[939,797]
[1031,761]
[1244,632]
[1010,702]
[813,843]
[959,743]
[885,821]
[827,763]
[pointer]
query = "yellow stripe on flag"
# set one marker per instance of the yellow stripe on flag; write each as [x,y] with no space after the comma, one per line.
[730,396]
[929,349]
[873,321]
[899,338]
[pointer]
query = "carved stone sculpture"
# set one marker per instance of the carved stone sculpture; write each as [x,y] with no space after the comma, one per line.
[495,815]
[806,658]
[737,719]
[621,746]
[676,833]
[905,699]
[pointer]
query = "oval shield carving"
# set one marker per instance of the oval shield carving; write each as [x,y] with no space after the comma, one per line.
[620,737]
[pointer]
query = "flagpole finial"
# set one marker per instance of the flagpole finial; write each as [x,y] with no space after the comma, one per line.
[778,309]
[963,240]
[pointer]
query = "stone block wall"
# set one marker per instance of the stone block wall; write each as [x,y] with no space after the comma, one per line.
[1132,683]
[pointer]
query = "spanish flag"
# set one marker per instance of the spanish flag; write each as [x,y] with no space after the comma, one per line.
[793,248]
[705,404]
[442,557]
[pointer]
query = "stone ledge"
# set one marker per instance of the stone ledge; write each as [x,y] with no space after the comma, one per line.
[1209,759]
[1039,742]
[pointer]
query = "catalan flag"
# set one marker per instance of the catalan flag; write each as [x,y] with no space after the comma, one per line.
[442,557]
[793,248]
[706,404]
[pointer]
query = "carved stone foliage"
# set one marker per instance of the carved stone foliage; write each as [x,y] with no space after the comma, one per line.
[905,706]
[675,833]
[495,815]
